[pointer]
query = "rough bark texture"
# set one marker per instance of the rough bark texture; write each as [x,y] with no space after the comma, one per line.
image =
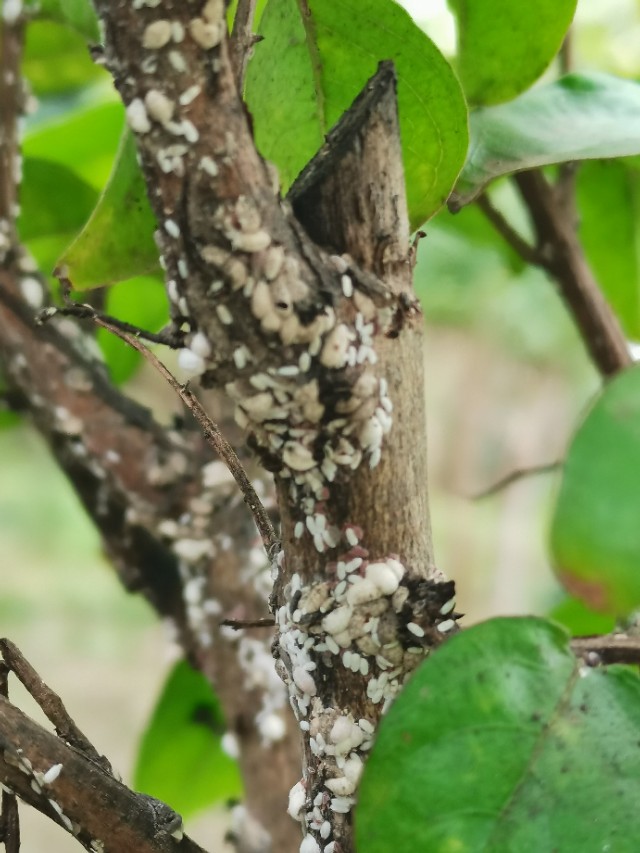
[101,812]
[302,312]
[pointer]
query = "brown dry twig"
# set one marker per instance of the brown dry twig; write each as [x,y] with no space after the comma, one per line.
[50,702]
[209,428]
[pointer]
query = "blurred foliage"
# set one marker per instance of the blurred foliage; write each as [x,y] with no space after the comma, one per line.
[181,761]
[579,619]
[49,45]
[595,537]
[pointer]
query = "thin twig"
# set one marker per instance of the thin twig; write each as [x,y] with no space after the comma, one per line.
[525,250]
[239,624]
[607,649]
[170,336]
[242,39]
[209,428]
[514,476]
[50,703]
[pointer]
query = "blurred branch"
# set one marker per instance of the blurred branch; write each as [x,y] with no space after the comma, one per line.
[607,649]
[514,476]
[50,703]
[527,252]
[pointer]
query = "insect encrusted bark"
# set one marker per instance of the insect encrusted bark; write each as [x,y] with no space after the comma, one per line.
[302,311]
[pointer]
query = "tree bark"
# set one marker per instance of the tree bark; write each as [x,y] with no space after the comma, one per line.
[302,311]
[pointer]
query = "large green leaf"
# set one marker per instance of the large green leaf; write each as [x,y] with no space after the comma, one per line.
[79,15]
[579,117]
[595,537]
[503,743]
[609,227]
[503,47]
[180,760]
[315,58]
[143,302]
[117,241]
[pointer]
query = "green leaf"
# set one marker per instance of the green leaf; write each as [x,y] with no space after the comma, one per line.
[315,58]
[579,117]
[141,301]
[503,742]
[85,142]
[54,204]
[56,60]
[180,760]
[53,199]
[503,47]
[117,241]
[595,536]
[579,619]
[608,195]
[79,15]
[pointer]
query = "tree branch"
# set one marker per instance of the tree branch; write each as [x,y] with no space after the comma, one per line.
[310,347]
[608,649]
[50,703]
[54,778]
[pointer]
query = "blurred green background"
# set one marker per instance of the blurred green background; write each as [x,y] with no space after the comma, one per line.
[507,379]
